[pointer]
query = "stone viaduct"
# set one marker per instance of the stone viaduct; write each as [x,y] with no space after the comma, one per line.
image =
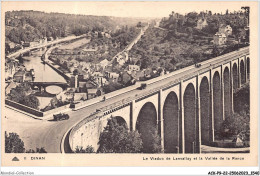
[187,112]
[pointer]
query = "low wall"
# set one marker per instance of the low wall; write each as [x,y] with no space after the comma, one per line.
[87,132]
[58,71]
[56,110]
[24,108]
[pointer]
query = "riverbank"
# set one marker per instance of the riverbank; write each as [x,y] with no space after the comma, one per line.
[67,77]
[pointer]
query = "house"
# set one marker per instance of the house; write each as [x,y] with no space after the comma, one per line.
[112,76]
[91,84]
[104,63]
[97,74]
[10,69]
[99,78]
[92,93]
[137,75]
[219,38]
[122,58]
[11,45]
[226,29]
[19,76]
[85,65]
[133,68]
[107,35]
[201,23]
[79,96]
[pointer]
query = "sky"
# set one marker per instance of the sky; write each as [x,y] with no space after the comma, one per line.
[125,9]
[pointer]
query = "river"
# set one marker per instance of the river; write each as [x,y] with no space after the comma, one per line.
[43,73]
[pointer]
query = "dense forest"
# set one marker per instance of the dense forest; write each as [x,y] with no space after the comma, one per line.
[32,25]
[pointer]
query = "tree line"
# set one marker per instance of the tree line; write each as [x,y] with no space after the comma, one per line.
[32,25]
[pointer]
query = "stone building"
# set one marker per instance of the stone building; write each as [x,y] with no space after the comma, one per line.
[220,38]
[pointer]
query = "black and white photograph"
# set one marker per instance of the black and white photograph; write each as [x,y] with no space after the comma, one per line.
[142,78]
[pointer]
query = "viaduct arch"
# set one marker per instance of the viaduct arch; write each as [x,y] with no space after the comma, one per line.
[227,92]
[205,112]
[171,123]
[189,118]
[146,125]
[235,76]
[242,72]
[217,102]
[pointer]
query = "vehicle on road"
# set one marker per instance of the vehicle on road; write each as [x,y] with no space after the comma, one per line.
[61,116]
[197,65]
[143,86]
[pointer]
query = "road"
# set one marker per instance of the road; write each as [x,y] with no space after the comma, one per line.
[19,52]
[130,45]
[48,134]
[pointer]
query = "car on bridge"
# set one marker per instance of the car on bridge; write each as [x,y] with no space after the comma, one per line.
[197,65]
[143,86]
[61,116]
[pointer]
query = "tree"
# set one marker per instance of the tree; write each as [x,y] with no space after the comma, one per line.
[191,19]
[116,138]
[21,94]
[31,101]
[196,55]
[100,35]
[38,150]
[139,24]
[215,51]
[227,12]
[235,124]
[89,149]
[112,86]
[156,48]
[145,63]
[13,143]
[156,142]
[189,31]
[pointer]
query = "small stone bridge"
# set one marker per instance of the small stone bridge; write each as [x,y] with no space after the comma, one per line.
[42,85]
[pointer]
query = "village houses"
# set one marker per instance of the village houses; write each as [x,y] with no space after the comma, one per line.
[201,23]
[226,29]
[219,38]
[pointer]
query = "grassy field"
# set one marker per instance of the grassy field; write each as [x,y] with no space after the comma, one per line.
[75,44]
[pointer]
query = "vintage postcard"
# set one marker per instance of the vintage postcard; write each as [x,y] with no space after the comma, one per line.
[129,83]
